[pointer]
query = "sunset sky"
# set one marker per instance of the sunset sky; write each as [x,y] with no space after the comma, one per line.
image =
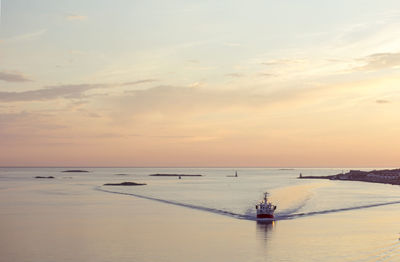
[200,83]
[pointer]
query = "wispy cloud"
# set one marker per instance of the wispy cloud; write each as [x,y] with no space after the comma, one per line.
[193,61]
[76,17]
[48,93]
[235,75]
[24,37]
[382,101]
[196,84]
[380,61]
[266,74]
[143,81]
[59,91]
[278,62]
[13,77]
[231,44]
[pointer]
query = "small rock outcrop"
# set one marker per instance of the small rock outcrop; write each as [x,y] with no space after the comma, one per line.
[178,175]
[125,184]
[75,171]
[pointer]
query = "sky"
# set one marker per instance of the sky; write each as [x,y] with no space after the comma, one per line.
[200,83]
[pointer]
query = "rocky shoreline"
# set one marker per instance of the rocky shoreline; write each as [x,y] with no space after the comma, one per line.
[385,176]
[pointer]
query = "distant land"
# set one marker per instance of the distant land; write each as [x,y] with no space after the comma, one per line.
[172,175]
[386,176]
[125,184]
[75,171]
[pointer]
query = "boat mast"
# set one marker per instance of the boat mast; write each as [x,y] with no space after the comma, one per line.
[266,197]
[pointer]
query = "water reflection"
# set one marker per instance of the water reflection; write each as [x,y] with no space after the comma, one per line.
[265,229]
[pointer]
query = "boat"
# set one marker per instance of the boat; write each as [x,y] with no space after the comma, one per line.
[265,209]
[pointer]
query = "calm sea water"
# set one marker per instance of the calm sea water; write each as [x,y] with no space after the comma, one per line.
[210,218]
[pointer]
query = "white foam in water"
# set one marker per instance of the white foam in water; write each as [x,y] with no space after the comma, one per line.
[291,199]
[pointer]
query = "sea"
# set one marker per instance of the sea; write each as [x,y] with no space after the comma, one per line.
[74,217]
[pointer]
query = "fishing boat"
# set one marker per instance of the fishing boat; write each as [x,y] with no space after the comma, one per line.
[265,209]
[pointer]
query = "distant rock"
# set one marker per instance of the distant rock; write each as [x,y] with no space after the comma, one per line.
[173,175]
[48,177]
[121,174]
[125,184]
[75,171]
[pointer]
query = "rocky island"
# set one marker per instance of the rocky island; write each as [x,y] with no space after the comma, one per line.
[125,184]
[75,171]
[386,176]
[47,177]
[179,175]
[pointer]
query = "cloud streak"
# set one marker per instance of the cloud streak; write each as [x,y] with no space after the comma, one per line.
[235,75]
[76,17]
[13,77]
[143,81]
[284,62]
[25,37]
[54,92]
[48,93]
[381,61]
[382,101]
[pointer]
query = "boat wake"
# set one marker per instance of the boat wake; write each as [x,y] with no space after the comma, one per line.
[297,215]
[250,214]
[208,209]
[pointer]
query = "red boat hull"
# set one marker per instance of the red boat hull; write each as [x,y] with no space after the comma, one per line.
[265,216]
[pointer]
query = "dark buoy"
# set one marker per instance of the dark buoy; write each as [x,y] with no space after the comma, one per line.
[180,177]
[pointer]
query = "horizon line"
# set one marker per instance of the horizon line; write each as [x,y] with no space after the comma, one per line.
[282,167]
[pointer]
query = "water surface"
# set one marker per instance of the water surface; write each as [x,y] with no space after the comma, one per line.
[209,218]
